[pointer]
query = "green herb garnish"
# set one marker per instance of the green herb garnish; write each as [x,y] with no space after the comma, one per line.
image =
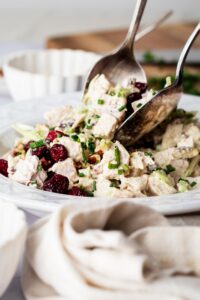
[90,194]
[75,138]
[94,186]
[37,144]
[33,182]
[115,183]
[169,168]
[193,183]
[39,168]
[84,147]
[182,179]
[123,107]
[89,125]
[139,105]
[81,174]
[120,172]
[117,155]
[113,165]
[125,167]
[91,146]
[146,153]
[100,101]
[112,93]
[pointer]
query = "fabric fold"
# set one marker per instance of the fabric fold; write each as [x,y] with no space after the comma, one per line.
[114,250]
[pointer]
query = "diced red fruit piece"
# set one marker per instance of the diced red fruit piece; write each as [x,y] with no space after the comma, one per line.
[57,184]
[76,191]
[52,135]
[27,146]
[42,151]
[58,152]
[50,174]
[134,97]
[4,167]
[46,163]
[141,86]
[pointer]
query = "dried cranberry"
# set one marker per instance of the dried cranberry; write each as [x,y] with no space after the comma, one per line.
[50,174]
[58,152]
[27,146]
[134,97]
[141,86]
[42,151]
[4,167]
[76,191]
[52,135]
[46,163]
[57,184]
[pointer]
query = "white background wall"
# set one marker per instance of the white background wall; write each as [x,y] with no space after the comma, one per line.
[33,20]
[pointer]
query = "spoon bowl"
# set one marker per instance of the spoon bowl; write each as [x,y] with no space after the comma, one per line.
[158,108]
[121,66]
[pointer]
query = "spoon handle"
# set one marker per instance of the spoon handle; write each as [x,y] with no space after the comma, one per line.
[153,26]
[184,53]
[135,23]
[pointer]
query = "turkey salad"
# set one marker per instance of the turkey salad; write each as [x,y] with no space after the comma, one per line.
[74,152]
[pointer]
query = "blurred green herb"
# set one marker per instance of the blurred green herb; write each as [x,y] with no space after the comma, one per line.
[191,82]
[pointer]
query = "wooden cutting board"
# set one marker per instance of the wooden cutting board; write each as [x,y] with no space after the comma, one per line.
[166,37]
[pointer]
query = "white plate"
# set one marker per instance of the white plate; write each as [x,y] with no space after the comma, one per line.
[41,202]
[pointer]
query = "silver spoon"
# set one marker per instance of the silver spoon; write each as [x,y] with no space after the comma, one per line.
[159,107]
[121,65]
[153,26]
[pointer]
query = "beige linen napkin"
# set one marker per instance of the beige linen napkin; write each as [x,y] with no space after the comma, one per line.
[111,251]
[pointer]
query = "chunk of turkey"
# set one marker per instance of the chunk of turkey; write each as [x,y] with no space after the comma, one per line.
[74,148]
[180,165]
[66,168]
[109,157]
[139,160]
[98,87]
[186,141]
[158,187]
[163,158]
[172,135]
[112,105]
[104,189]
[64,114]
[105,126]
[25,169]
[196,180]
[136,185]
[193,131]
[86,183]
[40,178]
[58,115]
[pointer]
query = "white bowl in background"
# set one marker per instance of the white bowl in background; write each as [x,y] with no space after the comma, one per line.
[13,231]
[35,74]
